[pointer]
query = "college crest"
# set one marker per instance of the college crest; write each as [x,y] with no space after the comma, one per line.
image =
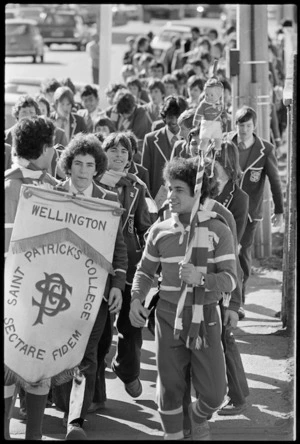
[255,175]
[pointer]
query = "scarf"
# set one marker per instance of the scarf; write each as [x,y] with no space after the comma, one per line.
[197,252]
[118,178]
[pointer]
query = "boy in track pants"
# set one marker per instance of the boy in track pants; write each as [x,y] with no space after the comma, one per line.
[166,246]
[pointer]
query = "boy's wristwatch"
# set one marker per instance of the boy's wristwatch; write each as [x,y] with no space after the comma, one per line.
[202,282]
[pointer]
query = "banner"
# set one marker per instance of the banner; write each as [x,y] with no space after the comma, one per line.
[59,257]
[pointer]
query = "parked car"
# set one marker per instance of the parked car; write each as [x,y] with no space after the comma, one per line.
[11,13]
[23,38]
[171,12]
[162,41]
[30,12]
[64,26]
[210,10]
[132,11]
[119,15]
[191,10]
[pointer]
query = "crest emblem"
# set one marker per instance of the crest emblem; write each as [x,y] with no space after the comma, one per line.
[255,175]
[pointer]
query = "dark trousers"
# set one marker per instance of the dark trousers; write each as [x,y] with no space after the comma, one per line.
[103,349]
[237,383]
[61,394]
[126,362]
[95,73]
[245,255]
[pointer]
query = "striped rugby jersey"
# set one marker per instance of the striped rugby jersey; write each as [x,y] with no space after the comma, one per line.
[166,245]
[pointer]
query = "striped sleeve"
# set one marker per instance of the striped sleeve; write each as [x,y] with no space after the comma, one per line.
[221,268]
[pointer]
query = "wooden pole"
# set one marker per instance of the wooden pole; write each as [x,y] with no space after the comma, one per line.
[289,288]
[105,43]
[253,90]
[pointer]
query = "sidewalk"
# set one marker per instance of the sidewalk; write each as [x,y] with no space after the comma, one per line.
[268,365]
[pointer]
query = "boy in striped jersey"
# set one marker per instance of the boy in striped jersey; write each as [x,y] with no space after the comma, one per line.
[166,246]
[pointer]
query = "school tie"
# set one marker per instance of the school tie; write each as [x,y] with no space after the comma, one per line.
[173,140]
[241,146]
[89,123]
[156,111]
[64,124]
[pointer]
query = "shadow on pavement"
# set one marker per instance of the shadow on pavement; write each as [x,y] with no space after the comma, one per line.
[262,311]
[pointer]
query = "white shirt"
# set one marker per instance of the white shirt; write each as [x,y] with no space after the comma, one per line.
[170,135]
[87,192]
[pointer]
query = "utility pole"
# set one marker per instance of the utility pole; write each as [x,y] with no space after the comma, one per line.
[253,90]
[105,42]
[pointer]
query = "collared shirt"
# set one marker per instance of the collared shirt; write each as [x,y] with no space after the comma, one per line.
[248,143]
[95,114]
[87,192]
[64,124]
[170,135]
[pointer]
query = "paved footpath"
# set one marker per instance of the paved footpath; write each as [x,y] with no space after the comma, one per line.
[265,353]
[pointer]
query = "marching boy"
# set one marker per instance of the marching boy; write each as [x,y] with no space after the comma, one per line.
[188,326]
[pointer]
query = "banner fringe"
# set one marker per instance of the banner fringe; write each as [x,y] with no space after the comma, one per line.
[61,378]
[64,234]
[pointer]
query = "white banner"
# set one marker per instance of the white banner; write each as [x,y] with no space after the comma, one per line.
[60,253]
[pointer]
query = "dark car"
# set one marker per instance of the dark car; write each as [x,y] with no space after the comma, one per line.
[23,38]
[172,12]
[210,10]
[61,27]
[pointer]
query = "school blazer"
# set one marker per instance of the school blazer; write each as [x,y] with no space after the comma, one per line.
[156,151]
[261,163]
[77,123]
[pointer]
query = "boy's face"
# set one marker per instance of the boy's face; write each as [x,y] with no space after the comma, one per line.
[215,52]
[171,122]
[194,93]
[103,130]
[170,90]
[194,145]
[156,96]
[157,72]
[184,131]
[134,90]
[245,130]
[179,197]
[117,157]
[43,108]
[82,171]
[110,98]
[28,111]
[64,107]
[90,102]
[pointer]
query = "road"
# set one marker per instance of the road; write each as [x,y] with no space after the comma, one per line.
[64,61]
